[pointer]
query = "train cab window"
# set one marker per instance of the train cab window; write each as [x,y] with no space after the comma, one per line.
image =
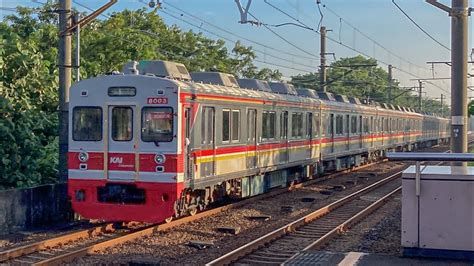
[87,124]
[268,125]
[122,123]
[157,124]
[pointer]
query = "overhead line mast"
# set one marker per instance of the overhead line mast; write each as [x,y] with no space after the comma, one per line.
[459,58]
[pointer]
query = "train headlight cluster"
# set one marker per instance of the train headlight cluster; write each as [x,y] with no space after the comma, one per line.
[160,158]
[83,157]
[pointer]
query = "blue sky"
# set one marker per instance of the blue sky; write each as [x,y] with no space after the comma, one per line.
[378,19]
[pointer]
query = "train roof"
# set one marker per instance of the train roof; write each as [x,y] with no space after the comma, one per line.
[226,84]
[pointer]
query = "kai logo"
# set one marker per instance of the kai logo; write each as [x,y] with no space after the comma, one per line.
[116,160]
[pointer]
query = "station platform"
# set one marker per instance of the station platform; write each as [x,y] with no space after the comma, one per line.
[364,259]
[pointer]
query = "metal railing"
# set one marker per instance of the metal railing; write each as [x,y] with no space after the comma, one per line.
[419,157]
[430,157]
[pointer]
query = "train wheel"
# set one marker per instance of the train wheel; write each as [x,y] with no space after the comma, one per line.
[169,219]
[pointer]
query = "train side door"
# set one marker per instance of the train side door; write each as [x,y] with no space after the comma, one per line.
[285,154]
[122,154]
[348,132]
[309,133]
[361,134]
[372,131]
[188,164]
[331,131]
[252,139]
[208,143]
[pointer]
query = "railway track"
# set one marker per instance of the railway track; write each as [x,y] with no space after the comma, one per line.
[67,247]
[315,229]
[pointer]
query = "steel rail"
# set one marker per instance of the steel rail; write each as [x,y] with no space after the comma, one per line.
[291,227]
[67,257]
[52,242]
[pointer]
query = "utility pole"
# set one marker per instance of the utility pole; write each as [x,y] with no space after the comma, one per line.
[77,58]
[322,70]
[390,80]
[420,93]
[64,64]
[459,59]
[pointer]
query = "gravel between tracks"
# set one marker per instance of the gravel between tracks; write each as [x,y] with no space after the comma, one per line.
[378,234]
[171,247]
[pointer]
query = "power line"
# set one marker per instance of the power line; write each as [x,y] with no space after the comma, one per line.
[260,61]
[282,38]
[419,27]
[233,41]
[348,46]
[370,38]
[239,36]
[194,25]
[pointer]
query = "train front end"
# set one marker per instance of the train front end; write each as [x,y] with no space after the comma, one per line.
[124,159]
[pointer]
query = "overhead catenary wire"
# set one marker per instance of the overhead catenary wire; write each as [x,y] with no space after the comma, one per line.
[352,48]
[239,36]
[341,19]
[152,34]
[260,61]
[419,27]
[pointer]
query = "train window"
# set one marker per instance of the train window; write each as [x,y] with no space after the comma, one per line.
[366,125]
[353,124]
[284,125]
[157,124]
[324,124]
[122,91]
[87,124]
[297,125]
[339,124]
[122,123]
[268,125]
[316,124]
[309,125]
[235,125]
[225,125]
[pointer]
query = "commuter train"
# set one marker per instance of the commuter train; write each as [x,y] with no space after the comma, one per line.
[156,142]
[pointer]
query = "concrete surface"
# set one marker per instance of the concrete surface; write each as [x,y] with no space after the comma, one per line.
[363,259]
[28,208]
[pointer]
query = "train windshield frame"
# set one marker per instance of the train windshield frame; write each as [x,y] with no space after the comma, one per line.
[157,124]
[87,123]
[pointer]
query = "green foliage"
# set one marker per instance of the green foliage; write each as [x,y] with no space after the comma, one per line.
[470,108]
[364,82]
[28,76]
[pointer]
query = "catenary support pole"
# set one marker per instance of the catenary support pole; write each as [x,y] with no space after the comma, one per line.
[64,63]
[420,95]
[459,12]
[322,70]
[78,50]
[459,55]
[390,80]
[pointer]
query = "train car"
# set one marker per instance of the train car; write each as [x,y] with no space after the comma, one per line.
[156,142]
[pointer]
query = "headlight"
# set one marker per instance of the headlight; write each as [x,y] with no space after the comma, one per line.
[160,158]
[83,157]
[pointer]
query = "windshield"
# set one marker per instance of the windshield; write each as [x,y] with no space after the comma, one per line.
[157,124]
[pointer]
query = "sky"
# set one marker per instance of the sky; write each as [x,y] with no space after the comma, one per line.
[375,28]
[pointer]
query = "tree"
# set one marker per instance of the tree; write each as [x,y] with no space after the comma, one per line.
[356,77]
[28,76]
